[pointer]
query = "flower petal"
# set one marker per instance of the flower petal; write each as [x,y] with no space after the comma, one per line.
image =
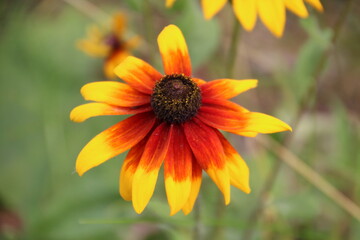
[143,187]
[118,24]
[221,178]
[198,81]
[145,177]
[92,48]
[209,153]
[174,51]
[177,170]
[316,4]
[222,104]
[138,74]
[263,123]
[297,7]
[245,11]
[169,3]
[93,45]
[128,169]
[114,141]
[238,170]
[132,42]
[272,14]
[195,187]
[247,134]
[112,61]
[224,116]
[226,88]
[212,7]
[114,93]
[85,111]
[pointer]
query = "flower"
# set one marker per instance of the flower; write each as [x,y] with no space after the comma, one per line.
[175,122]
[109,45]
[271,12]
[169,3]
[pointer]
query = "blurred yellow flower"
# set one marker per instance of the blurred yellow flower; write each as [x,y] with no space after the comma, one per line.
[271,12]
[169,3]
[109,44]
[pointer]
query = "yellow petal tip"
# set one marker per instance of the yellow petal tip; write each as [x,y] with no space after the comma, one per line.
[173,212]
[227,201]
[80,172]
[143,187]
[186,212]
[278,34]
[253,83]
[227,198]
[73,116]
[169,3]
[138,210]
[247,190]
[288,128]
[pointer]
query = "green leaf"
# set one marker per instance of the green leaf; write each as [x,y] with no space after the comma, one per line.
[310,56]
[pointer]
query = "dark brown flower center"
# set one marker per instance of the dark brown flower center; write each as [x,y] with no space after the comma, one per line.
[113,42]
[176,98]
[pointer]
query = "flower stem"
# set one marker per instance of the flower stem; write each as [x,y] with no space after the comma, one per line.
[196,235]
[304,103]
[312,176]
[217,231]
[233,49]
[149,30]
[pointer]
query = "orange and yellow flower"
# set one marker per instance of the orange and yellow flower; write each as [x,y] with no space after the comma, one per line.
[271,12]
[176,123]
[109,44]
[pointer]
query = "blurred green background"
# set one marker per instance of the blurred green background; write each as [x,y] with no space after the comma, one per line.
[42,71]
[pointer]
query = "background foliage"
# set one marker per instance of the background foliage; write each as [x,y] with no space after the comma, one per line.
[41,72]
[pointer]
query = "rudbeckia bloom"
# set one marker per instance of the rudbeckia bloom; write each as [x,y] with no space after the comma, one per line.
[109,44]
[169,3]
[175,123]
[271,12]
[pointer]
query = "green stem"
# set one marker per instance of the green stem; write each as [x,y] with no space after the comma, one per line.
[233,49]
[270,180]
[217,231]
[149,30]
[196,235]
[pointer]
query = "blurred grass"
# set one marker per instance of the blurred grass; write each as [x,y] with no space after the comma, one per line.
[41,73]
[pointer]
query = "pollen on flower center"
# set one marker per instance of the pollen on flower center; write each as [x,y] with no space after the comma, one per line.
[176,98]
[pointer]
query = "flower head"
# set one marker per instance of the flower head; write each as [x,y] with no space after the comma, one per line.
[109,44]
[175,123]
[169,3]
[271,12]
